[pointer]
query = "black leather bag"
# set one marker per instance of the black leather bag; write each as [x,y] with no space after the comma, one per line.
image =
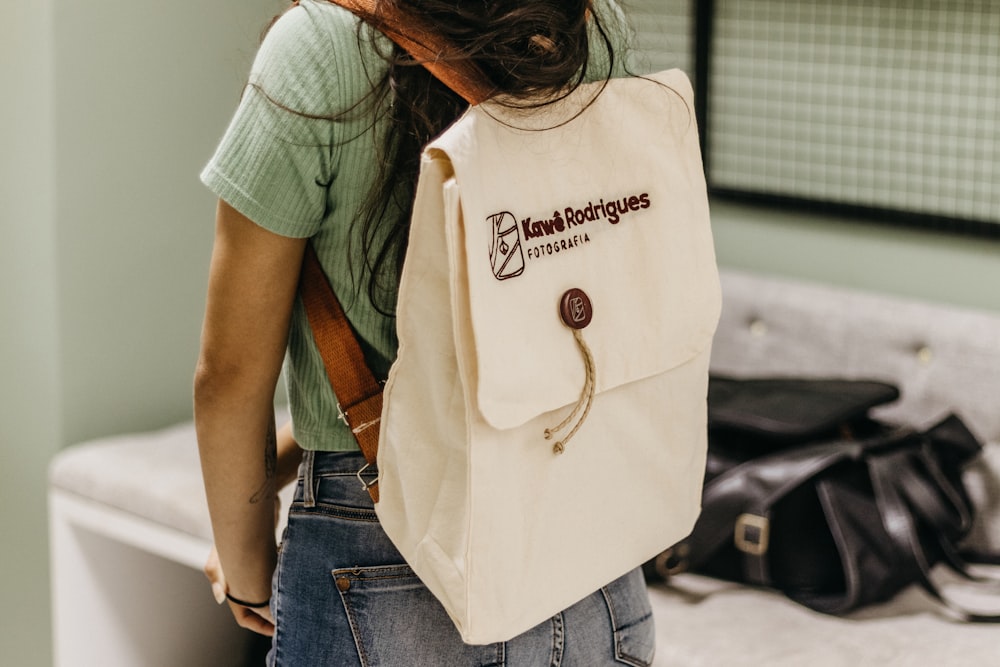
[807,494]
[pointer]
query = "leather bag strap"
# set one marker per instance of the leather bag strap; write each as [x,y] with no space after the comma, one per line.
[898,520]
[359,394]
[430,50]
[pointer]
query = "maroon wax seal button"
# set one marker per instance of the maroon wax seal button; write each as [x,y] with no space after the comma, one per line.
[576,309]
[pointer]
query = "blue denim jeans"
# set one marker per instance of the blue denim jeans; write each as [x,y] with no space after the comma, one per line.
[344,596]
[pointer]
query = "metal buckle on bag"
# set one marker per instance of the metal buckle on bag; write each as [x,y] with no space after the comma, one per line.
[752,534]
[673,561]
[365,484]
[342,416]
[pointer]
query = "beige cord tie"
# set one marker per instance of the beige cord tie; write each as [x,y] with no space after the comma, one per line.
[585,402]
[576,312]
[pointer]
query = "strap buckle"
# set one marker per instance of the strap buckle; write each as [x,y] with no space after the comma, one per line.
[356,430]
[752,534]
[365,484]
[673,561]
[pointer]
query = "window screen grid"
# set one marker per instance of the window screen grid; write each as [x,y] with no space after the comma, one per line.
[889,106]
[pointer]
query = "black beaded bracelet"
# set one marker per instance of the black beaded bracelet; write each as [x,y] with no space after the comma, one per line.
[250,605]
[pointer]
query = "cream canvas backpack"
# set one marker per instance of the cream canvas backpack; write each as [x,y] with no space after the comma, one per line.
[543,429]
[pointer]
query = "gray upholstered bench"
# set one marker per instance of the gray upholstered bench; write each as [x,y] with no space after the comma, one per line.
[130,529]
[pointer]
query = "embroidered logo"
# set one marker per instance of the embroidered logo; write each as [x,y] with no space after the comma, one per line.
[506,255]
[515,242]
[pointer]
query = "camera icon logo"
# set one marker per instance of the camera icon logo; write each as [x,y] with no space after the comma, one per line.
[506,255]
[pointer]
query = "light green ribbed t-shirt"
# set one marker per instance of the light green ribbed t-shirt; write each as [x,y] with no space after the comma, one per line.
[298,160]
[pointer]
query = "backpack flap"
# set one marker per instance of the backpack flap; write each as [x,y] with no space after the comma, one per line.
[609,199]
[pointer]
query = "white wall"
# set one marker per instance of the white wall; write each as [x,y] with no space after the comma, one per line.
[108,112]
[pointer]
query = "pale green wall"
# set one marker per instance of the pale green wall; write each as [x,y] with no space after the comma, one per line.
[30,409]
[108,112]
[143,92]
[919,264]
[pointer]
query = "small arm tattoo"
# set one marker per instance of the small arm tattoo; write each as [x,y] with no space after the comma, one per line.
[270,466]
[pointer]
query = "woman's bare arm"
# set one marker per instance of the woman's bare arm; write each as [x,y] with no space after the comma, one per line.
[252,284]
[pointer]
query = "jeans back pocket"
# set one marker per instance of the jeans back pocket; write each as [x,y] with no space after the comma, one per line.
[395,620]
[632,619]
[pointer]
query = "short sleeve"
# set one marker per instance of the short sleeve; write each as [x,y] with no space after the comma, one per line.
[277,157]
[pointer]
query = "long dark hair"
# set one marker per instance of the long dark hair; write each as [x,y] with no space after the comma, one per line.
[529,52]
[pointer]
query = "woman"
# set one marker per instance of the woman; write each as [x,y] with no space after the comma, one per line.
[324,149]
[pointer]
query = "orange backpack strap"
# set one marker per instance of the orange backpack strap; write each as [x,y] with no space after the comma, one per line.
[359,394]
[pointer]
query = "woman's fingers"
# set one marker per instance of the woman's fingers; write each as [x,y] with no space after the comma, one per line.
[213,570]
[257,620]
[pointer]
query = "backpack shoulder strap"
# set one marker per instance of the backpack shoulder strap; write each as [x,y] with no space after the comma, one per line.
[359,394]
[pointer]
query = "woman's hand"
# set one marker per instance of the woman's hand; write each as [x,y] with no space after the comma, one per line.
[258,620]
[216,577]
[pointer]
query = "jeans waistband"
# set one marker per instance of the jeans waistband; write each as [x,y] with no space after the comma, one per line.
[317,464]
